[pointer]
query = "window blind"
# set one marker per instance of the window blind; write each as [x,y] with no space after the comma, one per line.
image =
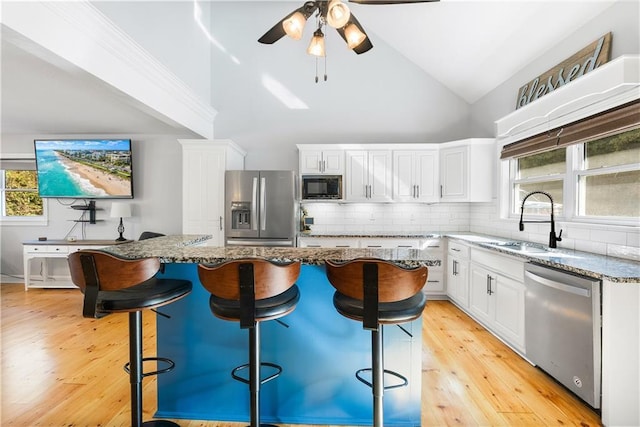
[21,164]
[616,120]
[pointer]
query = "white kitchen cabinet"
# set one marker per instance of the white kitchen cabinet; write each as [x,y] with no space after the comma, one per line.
[389,243]
[497,295]
[368,175]
[328,242]
[204,163]
[415,176]
[467,170]
[458,273]
[319,162]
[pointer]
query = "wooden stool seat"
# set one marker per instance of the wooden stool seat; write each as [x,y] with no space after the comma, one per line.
[111,284]
[250,291]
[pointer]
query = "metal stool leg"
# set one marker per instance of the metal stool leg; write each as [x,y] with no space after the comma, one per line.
[377,364]
[135,366]
[136,374]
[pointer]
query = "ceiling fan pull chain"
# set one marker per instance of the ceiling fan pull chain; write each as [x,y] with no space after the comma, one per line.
[325,68]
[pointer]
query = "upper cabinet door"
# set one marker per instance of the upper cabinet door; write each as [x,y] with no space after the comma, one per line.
[415,176]
[467,170]
[454,173]
[368,175]
[318,162]
[357,180]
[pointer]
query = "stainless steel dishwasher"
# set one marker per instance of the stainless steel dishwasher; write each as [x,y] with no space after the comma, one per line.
[563,328]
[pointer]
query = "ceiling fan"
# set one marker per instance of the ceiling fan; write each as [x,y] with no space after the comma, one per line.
[336,14]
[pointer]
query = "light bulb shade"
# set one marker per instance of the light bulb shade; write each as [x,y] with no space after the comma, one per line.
[294,25]
[120,210]
[338,14]
[354,36]
[316,47]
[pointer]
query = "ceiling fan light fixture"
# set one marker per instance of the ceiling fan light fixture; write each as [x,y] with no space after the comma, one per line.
[338,14]
[294,25]
[353,35]
[316,47]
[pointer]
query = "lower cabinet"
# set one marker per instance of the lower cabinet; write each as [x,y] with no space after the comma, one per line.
[458,274]
[435,286]
[497,295]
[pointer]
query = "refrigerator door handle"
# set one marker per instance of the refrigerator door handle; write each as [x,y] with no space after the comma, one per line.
[263,204]
[254,204]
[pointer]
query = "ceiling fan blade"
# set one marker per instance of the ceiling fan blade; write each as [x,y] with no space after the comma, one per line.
[391,1]
[366,44]
[277,31]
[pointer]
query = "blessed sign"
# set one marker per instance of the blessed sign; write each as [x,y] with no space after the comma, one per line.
[587,59]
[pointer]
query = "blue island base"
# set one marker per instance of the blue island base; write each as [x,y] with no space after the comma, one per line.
[319,350]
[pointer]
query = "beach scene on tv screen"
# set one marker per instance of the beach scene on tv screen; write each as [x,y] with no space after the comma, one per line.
[84,168]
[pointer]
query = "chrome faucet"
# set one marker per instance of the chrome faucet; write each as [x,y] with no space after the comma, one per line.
[552,235]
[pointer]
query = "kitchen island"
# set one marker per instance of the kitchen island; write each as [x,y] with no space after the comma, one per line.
[319,349]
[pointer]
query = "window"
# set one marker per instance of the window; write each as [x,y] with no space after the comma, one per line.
[539,172]
[19,200]
[609,177]
[602,184]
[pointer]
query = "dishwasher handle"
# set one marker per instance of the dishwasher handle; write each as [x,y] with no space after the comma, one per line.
[557,285]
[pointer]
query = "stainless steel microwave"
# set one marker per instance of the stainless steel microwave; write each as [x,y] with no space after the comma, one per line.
[321,187]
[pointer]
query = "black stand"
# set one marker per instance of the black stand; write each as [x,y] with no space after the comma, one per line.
[91,207]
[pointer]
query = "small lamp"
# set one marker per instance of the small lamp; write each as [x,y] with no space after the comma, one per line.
[120,210]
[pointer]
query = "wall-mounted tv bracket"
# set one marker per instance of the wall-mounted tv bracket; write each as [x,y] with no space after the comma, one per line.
[91,207]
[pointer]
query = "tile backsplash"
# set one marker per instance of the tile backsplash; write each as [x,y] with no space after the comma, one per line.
[482,218]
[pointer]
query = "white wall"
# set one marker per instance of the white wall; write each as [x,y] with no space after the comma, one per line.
[157,179]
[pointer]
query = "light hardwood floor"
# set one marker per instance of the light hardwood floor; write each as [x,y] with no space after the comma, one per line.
[59,369]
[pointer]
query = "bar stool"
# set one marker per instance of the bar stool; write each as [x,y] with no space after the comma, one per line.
[251,291]
[377,292]
[111,284]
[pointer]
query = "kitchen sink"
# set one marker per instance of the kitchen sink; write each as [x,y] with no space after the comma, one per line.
[520,247]
[532,249]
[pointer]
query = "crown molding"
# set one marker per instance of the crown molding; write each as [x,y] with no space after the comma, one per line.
[80,34]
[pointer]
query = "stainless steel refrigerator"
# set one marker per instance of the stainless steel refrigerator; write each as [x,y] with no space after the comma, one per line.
[261,208]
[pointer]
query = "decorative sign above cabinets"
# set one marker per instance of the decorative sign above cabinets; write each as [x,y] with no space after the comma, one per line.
[587,59]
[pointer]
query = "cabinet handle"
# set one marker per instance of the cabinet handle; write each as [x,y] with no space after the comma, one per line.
[441,191]
[220,223]
[455,267]
[489,279]
[455,249]
[324,166]
[417,191]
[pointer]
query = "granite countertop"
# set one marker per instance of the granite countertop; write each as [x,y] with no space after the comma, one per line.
[185,249]
[376,234]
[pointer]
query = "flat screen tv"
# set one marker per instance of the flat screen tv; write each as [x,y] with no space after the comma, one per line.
[84,168]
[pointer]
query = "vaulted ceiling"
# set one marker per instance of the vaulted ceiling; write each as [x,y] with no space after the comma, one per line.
[470,46]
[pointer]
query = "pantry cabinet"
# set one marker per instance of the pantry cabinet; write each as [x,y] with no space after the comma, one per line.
[204,163]
[368,175]
[415,177]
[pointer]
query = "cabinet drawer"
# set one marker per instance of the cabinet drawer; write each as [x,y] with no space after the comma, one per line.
[46,249]
[435,282]
[458,249]
[502,264]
